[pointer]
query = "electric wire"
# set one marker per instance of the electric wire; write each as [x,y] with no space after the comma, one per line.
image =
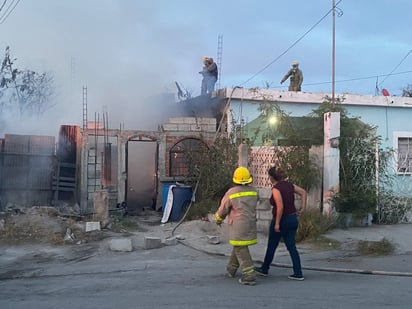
[8,11]
[351,79]
[397,66]
[291,46]
[2,6]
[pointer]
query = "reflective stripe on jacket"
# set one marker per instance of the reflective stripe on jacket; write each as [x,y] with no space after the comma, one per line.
[239,205]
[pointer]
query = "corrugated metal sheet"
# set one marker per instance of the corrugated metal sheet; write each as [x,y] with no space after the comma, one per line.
[27,165]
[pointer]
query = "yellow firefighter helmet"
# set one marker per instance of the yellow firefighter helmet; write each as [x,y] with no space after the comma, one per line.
[242,176]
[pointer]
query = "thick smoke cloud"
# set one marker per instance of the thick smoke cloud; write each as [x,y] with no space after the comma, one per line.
[128,52]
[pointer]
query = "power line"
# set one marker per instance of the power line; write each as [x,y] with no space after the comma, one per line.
[291,46]
[397,66]
[2,6]
[354,79]
[8,11]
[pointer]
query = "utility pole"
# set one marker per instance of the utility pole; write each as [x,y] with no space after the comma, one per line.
[333,54]
[219,59]
[72,75]
[84,107]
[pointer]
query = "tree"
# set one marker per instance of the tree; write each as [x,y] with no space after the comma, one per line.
[362,160]
[24,92]
[212,170]
[407,92]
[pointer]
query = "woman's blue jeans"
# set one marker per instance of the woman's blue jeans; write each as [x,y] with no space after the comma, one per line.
[288,227]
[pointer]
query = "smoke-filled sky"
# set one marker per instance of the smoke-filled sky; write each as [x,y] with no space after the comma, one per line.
[126,51]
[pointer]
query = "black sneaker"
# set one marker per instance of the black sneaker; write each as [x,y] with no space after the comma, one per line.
[261,272]
[247,282]
[294,277]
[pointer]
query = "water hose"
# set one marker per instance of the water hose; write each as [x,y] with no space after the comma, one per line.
[315,268]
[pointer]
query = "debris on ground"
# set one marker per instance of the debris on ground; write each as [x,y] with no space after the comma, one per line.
[43,224]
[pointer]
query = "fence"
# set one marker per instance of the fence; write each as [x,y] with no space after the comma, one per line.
[26,169]
[263,157]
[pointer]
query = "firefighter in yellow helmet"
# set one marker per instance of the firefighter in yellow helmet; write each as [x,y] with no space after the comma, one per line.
[210,75]
[239,206]
[296,77]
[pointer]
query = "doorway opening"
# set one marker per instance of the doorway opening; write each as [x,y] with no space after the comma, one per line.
[141,167]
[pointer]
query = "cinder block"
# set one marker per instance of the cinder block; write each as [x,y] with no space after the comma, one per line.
[171,241]
[189,120]
[121,244]
[264,215]
[210,128]
[262,226]
[92,226]
[170,127]
[264,204]
[195,127]
[209,121]
[152,242]
[265,193]
[214,240]
[184,127]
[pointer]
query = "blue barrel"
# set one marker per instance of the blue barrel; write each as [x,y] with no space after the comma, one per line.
[182,195]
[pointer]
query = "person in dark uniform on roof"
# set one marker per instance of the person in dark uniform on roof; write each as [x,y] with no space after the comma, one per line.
[296,77]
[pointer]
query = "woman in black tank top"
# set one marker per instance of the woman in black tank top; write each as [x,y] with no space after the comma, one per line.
[285,222]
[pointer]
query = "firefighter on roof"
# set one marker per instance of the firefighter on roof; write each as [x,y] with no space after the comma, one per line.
[296,77]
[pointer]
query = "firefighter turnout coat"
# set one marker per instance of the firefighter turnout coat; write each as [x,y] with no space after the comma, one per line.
[239,205]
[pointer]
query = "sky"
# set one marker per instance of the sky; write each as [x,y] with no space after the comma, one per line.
[127,52]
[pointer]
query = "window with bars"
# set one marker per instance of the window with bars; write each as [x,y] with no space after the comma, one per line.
[179,155]
[404,155]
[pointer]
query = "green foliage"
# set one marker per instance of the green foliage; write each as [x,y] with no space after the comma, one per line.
[375,248]
[312,224]
[301,169]
[123,224]
[358,193]
[326,107]
[211,171]
[295,160]
[357,174]
[393,209]
[201,209]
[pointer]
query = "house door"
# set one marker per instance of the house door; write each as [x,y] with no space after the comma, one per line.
[141,184]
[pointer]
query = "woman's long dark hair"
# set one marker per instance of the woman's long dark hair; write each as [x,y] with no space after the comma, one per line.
[277,173]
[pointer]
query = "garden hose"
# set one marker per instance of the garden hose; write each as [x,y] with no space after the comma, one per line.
[316,268]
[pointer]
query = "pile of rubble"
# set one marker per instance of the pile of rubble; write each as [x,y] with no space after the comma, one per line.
[44,224]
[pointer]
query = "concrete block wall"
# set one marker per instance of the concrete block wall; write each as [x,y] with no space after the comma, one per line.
[263,210]
[185,127]
[190,124]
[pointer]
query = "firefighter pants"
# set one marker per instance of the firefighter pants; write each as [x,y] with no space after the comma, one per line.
[240,257]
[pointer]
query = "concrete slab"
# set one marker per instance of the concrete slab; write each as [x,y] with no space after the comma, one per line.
[121,244]
[92,226]
[152,242]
